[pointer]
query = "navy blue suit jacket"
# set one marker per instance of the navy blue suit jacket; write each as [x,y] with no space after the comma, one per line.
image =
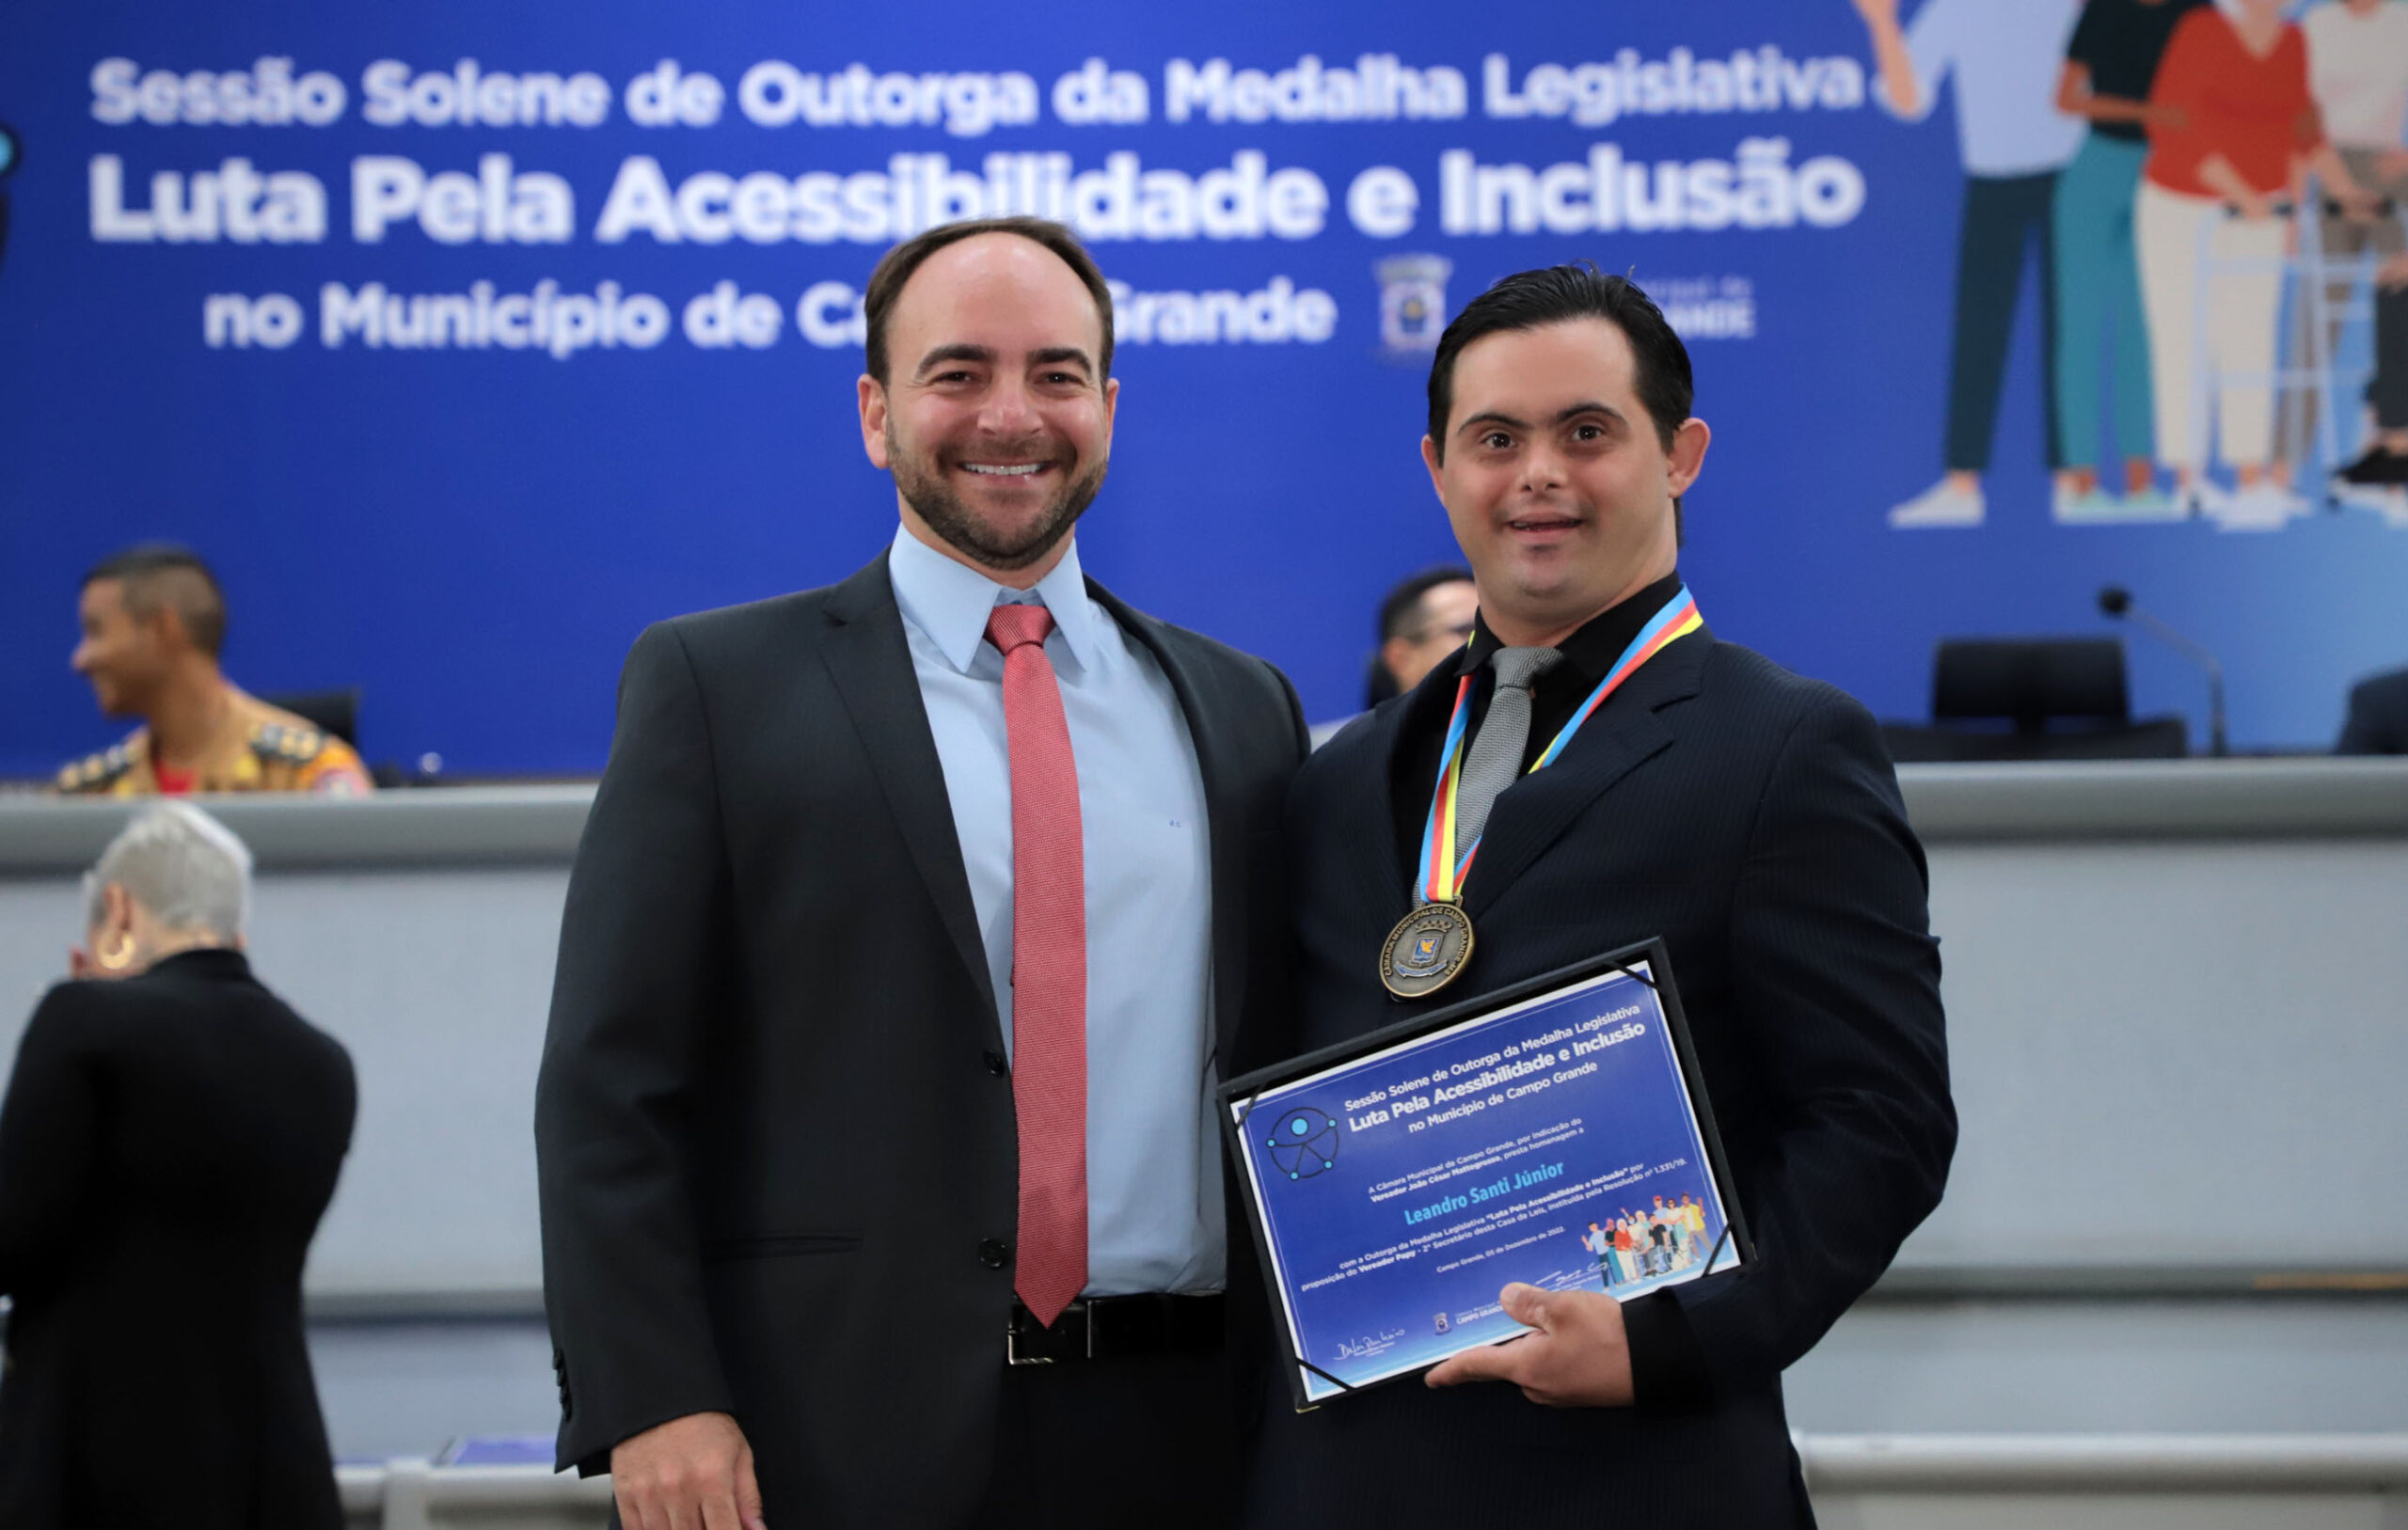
[1751,819]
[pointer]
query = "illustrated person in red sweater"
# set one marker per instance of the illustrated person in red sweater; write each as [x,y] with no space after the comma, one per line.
[2223,162]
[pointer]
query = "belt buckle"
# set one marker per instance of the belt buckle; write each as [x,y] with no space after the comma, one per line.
[1012,1335]
[1011,1346]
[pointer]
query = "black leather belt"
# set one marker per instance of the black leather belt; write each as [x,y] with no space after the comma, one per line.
[1111,1327]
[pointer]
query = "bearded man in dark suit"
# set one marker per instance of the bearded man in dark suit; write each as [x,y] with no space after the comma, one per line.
[1748,817]
[912,927]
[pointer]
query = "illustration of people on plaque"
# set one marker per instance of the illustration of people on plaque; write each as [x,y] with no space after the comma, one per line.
[1635,1247]
[1600,1244]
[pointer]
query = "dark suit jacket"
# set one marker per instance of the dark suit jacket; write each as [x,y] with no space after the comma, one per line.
[2377,721]
[1751,819]
[776,1168]
[168,1145]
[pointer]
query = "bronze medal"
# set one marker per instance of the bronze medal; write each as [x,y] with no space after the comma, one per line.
[1432,944]
[1426,950]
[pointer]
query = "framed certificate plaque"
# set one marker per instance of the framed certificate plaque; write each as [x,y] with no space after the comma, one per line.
[1555,1133]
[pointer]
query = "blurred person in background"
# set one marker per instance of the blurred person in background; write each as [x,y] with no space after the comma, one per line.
[171,1134]
[154,620]
[2378,719]
[1422,620]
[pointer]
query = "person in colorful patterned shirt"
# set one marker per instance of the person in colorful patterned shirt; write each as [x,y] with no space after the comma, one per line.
[153,619]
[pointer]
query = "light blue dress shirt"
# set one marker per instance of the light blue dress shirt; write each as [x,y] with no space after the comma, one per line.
[1153,1158]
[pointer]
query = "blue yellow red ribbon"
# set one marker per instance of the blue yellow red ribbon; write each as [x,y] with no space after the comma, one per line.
[1442,874]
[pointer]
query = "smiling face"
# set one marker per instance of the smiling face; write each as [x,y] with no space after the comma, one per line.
[995,422]
[125,658]
[1558,486]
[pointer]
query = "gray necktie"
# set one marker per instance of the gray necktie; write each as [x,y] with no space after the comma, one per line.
[1496,755]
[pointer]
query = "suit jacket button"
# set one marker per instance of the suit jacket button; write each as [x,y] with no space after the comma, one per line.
[994,1253]
[995,1063]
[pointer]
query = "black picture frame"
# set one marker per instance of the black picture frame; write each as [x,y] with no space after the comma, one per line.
[1651,954]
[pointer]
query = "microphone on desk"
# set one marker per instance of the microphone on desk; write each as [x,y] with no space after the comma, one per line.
[2116,601]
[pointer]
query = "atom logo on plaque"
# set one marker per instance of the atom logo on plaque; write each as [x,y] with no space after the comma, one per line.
[1302,1142]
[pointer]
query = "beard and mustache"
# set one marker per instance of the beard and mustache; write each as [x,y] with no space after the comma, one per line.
[923,486]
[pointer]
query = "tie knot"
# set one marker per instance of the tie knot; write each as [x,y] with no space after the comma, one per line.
[1518,667]
[1017,627]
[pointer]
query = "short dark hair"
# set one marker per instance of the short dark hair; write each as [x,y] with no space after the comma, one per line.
[1400,612]
[1401,617]
[1558,294]
[160,575]
[896,268]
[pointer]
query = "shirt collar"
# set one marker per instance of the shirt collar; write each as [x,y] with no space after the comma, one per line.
[1589,653]
[948,600]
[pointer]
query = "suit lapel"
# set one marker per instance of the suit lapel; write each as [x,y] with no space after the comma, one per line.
[1387,890]
[1626,732]
[1199,701]
[870,660]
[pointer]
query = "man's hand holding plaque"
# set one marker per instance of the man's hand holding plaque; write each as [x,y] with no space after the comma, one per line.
[1574,1356]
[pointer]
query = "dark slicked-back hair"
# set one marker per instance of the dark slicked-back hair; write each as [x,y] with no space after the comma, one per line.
[1559,294]
[1401,616]
[886,282]
[1400,612]
[158,576]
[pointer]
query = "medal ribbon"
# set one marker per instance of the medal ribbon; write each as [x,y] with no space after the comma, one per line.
[1443,871]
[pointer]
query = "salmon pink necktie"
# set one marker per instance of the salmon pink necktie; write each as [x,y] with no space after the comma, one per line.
[1049,968]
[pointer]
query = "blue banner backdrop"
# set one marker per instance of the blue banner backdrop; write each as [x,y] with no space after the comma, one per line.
[466,342]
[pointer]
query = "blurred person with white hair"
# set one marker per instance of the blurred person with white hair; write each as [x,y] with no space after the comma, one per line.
[170,1137]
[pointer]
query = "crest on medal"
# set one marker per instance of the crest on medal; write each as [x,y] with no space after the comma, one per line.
[1425,951]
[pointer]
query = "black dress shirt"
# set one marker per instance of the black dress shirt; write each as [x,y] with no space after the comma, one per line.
[1666,1368]
[1589,656]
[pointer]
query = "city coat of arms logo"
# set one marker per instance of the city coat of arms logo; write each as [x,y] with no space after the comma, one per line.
[1413,303]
